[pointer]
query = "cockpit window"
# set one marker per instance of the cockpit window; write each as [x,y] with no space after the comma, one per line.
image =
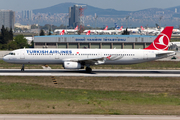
[11,53]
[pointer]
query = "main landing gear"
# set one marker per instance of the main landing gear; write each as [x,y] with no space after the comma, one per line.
[88,70]
[22,69]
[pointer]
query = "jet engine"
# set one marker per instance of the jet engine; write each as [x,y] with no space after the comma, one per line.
[73,65]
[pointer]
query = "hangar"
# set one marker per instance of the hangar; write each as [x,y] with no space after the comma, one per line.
[93,41]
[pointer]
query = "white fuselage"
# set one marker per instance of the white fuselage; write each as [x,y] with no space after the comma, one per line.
[66,30]
[104,31]
[88,56]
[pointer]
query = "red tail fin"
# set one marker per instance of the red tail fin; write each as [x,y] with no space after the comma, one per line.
[142,28]
[76,28]
[106,28]
[162,41]
[62,33]
[88,33]
[121,28]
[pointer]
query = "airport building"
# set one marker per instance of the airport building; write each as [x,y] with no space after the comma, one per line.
[7,18]
[93,41]
[18,25]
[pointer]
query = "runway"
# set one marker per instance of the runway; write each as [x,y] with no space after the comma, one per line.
[85,117]
[95,73]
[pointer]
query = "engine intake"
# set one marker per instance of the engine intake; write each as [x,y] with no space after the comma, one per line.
[73,65]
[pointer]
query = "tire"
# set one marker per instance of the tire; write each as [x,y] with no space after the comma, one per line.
[88,70]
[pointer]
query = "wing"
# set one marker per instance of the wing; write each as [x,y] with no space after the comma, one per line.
[89,61]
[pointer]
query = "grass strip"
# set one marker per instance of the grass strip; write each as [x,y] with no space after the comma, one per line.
[83,95]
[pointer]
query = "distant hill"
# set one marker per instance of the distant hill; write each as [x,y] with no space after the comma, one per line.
[104,12]
[60,8]
[90,10]
[151,13]
[173,9]
[144,17]
[153,10]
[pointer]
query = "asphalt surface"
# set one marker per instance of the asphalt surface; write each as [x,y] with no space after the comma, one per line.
[95,73]
[85,117]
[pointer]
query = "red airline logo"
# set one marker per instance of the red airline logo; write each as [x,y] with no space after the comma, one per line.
[62,33]
[162,41]
[106,28]
[88,33]
[76,28]
[121,28]
[142,28]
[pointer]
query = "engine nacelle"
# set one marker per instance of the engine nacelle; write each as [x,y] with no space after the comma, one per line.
[73,65]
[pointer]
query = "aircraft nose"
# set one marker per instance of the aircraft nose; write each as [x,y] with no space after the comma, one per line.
[5,58]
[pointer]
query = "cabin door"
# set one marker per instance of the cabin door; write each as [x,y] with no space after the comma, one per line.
[22,54]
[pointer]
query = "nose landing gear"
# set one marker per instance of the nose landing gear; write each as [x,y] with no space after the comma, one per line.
[22,69]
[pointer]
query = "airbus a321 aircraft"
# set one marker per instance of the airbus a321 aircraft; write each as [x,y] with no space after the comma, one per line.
[80,58]
[67,30]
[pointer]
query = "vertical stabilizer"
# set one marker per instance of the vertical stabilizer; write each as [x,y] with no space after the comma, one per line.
[88,33]
[62,33]
[162,40]
[106,28]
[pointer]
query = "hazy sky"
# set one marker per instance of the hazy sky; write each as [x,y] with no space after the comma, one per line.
[128,5]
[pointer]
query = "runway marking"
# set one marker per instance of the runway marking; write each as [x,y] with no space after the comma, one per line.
[53,79]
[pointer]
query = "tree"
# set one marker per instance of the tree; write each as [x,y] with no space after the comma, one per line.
[12,45]
[42,32]
[11,34]
[32,44]
[49,32]
[3,46]
[21,41]
[46,26]
[4,35]
[34,26]
[79,32]
[62,26]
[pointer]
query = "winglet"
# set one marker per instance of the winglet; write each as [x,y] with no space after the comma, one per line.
[162,40]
